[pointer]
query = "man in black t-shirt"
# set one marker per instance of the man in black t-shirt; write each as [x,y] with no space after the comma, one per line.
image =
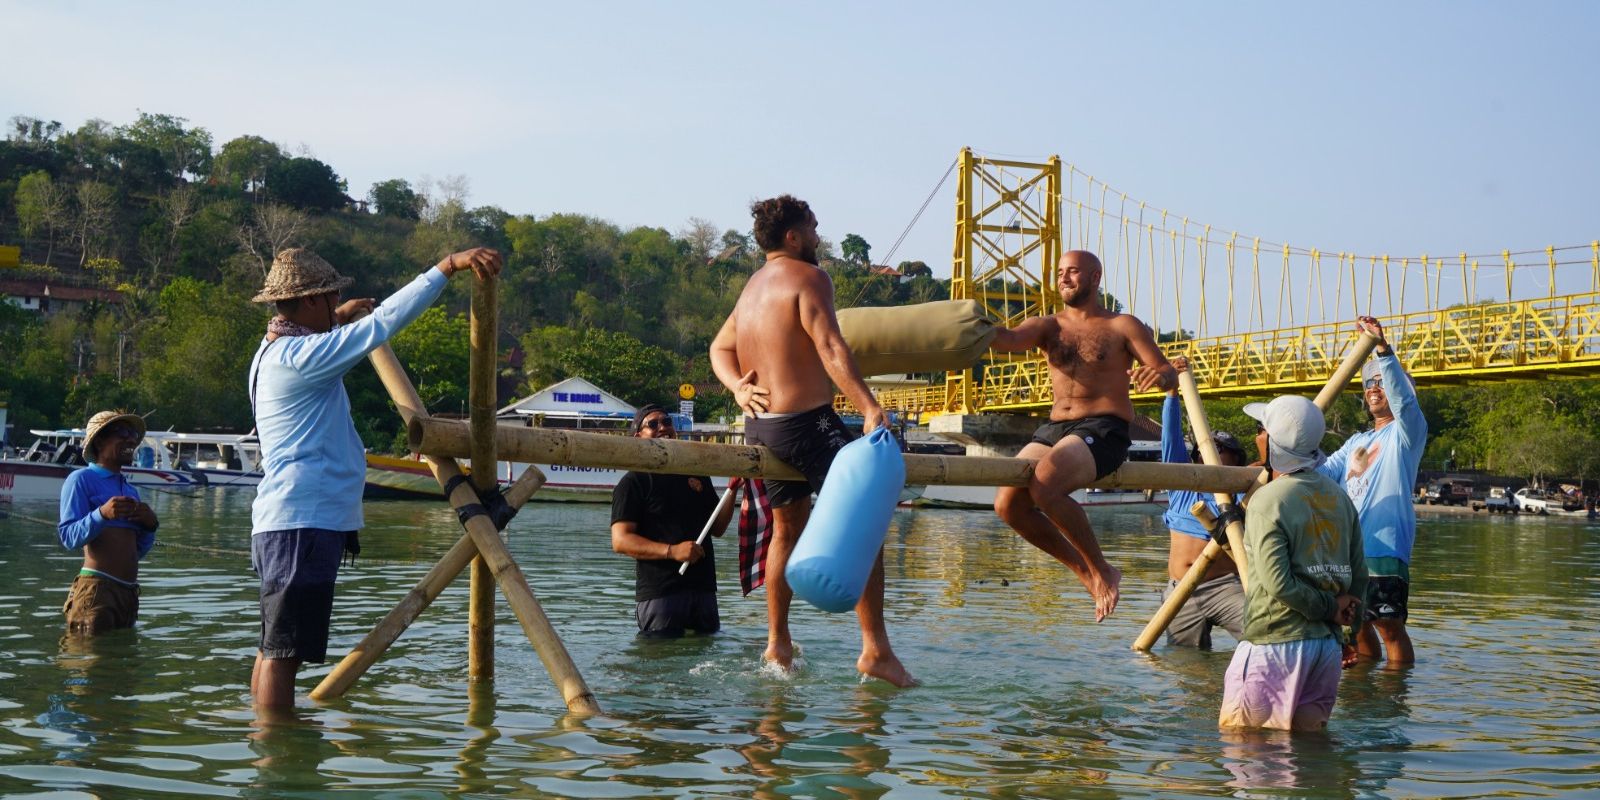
[655,519]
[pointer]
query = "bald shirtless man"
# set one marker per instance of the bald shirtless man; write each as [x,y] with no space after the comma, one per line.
[1091,351]
[783,333]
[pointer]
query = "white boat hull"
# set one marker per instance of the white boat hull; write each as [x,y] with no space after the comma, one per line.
[36,480]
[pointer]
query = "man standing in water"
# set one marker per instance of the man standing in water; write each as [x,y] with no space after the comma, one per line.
[1378,469]
[1091,351]
[655,520]
[308,507]
[783,332]
[101,513]
[1307,577]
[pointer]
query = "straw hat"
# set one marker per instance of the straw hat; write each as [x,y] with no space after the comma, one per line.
[105,419]
[298,272]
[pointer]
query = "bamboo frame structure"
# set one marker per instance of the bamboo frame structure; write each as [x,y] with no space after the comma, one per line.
[1169,609]
[483,540]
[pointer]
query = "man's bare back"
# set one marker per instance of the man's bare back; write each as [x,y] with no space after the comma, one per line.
[772,341]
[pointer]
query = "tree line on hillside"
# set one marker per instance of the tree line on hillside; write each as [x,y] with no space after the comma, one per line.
[185,229]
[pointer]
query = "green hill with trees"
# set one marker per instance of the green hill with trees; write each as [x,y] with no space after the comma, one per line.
[184,230]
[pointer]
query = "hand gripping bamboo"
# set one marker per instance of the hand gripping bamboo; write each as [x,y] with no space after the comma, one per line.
[1208,451]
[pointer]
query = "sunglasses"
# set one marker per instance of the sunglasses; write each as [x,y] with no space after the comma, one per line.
[658,423]
[122,431]
[1374,382]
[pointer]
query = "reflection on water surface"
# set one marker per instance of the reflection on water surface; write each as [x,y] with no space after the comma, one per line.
[1023,695]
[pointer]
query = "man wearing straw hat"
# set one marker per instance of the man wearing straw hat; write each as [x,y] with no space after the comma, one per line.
[1306,579]
[654,520]
[101,513]
[308,507]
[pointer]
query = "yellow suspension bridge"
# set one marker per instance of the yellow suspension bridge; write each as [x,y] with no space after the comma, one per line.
[1254,318]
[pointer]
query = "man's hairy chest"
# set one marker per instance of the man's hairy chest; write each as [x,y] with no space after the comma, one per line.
[1086,348]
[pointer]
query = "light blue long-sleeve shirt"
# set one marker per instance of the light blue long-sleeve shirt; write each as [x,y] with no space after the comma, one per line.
[1173,451]
[313,463]
[1380,484]
[82,495]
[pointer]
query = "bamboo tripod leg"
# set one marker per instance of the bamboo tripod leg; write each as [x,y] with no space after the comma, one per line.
[1346,370]
[541,634]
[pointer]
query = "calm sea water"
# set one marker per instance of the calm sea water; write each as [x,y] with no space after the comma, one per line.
[1023,695]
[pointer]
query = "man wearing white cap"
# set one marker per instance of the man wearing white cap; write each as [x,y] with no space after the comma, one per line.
[1378,469]
[308,507]
[101,512]
[1306,579]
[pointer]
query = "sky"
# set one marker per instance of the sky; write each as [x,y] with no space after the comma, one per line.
[1365,127]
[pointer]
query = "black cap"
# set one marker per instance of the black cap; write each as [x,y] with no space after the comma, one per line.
[1226,441]
[644,411]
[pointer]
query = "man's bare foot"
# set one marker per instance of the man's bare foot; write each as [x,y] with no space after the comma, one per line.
[780,654]
[885,669]
[1106,592]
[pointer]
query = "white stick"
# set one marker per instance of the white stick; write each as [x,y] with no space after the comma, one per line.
[727,497]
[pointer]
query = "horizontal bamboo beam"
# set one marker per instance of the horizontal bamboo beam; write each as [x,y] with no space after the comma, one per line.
[452,439]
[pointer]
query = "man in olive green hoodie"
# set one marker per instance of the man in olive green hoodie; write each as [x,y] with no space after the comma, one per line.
[1307,576]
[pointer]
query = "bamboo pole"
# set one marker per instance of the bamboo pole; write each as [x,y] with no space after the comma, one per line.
[481,402]
[448,438]
[1202,432]
[1200,426]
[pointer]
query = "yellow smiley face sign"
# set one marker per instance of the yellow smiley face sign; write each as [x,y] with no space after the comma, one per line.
[686,391]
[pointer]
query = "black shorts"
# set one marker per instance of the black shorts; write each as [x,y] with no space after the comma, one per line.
[297,569]
[1387,596]
[669,617]
[1106,436]
[807,441]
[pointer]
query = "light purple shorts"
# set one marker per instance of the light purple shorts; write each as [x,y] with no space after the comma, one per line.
[1287,686]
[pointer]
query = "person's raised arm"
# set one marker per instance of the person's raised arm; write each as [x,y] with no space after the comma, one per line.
[1153,371]
[1172,449]
[1027,336]
[725,365]
[1397,386]
[330,356]
[820,322]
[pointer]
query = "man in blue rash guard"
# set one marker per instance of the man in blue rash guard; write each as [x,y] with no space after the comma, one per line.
[1219,597]
[309,502]
[101,513]
[1378,469]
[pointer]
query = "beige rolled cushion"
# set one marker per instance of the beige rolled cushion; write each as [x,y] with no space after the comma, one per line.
[942,336]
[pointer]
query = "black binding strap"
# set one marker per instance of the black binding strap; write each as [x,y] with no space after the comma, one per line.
[491,504]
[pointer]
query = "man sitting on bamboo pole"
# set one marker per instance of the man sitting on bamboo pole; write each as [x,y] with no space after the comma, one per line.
[308,508]
[1091,351]
[1219,598]
[784,330]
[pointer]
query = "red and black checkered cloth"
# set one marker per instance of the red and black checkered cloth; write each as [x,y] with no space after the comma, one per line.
[755,532]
